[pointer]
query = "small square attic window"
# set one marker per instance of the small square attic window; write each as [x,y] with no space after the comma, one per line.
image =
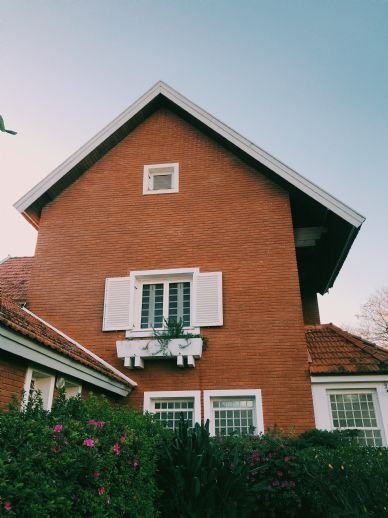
[161,178]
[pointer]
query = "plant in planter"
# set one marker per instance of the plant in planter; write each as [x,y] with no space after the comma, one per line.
[173,329]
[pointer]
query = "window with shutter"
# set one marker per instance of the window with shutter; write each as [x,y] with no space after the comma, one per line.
[146,299]
[117,304]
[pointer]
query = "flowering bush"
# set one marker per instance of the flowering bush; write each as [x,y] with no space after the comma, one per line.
[85,458]
[318,474]
[89,459]
[272,473]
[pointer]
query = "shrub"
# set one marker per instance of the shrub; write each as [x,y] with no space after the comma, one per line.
[85,458]
[201,479]
[272,473]
[318,474]
[347,482]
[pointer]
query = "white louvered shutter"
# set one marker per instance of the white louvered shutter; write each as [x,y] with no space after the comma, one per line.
[117,309]
[207,299]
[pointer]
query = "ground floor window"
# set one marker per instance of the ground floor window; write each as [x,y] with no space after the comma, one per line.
[233,412]
[43,384]
[170,406]
[38,382]
[169,412]
[233,416]
[357,410]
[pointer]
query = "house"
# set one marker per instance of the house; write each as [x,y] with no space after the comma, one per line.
[169,215]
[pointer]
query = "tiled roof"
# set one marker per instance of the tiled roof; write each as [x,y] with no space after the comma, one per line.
[14,277]
[14,317]
[334,351]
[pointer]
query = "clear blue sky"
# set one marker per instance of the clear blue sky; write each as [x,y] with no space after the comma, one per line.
[305,80]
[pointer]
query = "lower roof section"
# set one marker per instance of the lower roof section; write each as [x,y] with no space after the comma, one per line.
[24,334]
[333,351]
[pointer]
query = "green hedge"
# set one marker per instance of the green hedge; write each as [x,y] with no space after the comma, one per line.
[89,459]
[319,475]
[85,458]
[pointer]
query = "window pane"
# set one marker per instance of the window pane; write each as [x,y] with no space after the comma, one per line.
[356,411]
[169,412]
[152,306]
[162,181]
[179,302]
[234,416]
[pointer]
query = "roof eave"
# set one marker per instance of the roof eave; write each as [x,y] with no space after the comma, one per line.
[15,344]
[26,204]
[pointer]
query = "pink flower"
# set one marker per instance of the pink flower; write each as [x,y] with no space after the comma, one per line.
[97,424]
[7,505]
[58,428]
[123,438]
[116,449]
[136,463]
[97,474]
[286,458]
[275,483]
[56,449]
[89,443]
[101,490]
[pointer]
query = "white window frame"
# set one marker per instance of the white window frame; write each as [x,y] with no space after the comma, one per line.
[139,278]
[323,386]
[151,397]
[209,395]
[150,171]
[47,391]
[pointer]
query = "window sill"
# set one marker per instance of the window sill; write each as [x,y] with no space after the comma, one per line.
[135,351]
[148,333]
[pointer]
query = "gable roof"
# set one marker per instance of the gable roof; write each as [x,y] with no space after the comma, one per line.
[308,197]
[25,323]
[335,351]
[14,278]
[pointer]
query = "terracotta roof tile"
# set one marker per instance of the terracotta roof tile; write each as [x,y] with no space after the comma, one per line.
[334,351]
[14,277]
[15,318]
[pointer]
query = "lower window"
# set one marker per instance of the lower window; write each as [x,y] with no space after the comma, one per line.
[41,383]
[357,410]
[170,411]
[234,416]
[233,412]
[170,407]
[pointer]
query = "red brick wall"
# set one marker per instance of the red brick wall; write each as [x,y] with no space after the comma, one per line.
[12,377]
[226,218]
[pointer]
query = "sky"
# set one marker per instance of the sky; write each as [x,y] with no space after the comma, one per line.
[306,80]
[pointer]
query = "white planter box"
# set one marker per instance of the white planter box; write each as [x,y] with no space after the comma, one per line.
[135,351]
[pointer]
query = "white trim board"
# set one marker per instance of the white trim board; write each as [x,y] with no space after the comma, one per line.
[283,171]
[368,378]
[13,343]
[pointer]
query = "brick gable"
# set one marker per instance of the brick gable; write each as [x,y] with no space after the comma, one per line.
[226,217]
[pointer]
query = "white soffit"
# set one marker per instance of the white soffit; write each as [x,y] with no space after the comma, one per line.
[288,174]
